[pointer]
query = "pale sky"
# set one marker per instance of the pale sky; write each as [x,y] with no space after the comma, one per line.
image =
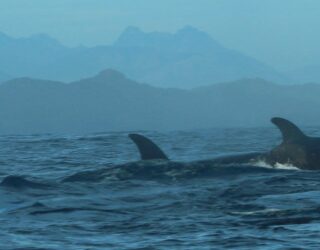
[283,33]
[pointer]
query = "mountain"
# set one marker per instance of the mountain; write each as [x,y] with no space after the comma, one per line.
[111,102]
[186,59]
[4,77]
[310,73]
[37,56]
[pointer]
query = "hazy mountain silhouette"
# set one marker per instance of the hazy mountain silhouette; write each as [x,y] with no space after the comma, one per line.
[4,77]
[310,73]
[109,101]
[188,58]
[36,56]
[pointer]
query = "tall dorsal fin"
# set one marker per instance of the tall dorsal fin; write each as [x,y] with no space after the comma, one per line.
[147,148]
[290,132]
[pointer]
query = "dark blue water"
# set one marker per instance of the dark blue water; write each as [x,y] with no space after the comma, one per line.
[112,207]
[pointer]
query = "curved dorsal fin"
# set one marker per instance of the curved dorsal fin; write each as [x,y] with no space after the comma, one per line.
[290,132]
[147,148]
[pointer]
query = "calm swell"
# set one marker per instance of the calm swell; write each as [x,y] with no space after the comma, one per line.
[235,207]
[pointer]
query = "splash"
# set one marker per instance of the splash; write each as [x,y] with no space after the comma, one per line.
[284,166]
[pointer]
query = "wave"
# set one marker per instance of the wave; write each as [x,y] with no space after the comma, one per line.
[19,182]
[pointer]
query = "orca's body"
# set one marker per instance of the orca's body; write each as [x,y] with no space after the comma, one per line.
[150,151]
[296,149]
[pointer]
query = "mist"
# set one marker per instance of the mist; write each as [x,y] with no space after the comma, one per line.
[171,124]
[282,34]
[52,55]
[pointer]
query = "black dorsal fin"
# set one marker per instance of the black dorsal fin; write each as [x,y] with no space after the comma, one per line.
[290,132]
[147,148]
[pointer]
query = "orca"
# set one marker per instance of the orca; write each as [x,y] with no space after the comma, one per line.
[296,149]
[150,151]
[155,164]
[147,148]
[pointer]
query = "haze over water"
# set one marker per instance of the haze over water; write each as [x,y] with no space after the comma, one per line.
[231,207]
[202,79]
[279,33]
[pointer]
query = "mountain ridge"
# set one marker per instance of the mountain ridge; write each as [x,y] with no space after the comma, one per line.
[110,101]
[187,58]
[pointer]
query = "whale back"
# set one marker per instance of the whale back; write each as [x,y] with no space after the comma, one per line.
[296,148]
[147,148]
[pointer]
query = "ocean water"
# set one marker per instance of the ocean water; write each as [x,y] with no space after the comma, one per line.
[114,205]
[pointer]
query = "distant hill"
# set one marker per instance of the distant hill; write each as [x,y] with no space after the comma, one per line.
[4,76]
[35,56]
[111,102]
[310,73]
[186,59]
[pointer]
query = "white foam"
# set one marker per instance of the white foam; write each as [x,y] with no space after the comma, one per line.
[264,211]
[286,166]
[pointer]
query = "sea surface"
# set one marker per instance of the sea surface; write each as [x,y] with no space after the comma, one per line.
[79,192]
